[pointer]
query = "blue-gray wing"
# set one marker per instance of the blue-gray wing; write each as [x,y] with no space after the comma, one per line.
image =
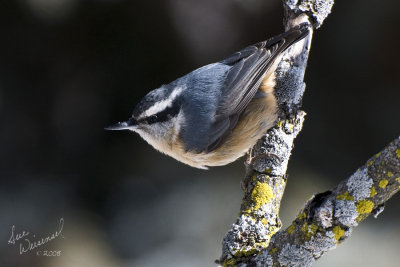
[243,79]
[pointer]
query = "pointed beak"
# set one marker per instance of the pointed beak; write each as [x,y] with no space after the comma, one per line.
[126,125]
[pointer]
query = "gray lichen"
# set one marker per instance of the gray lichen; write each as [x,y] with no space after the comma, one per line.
[290,86]
[320,244]
[277,142]
[295,256]
[359,184]
[346,212]
[319,9]
[264,260]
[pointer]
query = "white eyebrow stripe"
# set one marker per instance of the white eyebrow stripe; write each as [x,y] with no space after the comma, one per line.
[160,106]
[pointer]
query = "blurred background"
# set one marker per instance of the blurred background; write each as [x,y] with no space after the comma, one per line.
[68,68]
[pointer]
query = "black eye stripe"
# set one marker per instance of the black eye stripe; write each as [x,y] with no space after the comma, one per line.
[163,115]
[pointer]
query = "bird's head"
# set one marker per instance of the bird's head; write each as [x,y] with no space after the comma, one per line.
[155,115]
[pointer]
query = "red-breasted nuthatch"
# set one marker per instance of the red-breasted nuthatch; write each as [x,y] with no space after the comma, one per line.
[214,114]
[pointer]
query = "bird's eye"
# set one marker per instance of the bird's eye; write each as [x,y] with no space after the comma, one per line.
[152,119]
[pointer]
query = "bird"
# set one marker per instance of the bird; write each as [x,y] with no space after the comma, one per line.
[216,113]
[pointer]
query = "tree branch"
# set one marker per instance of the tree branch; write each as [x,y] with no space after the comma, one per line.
[327,218]
[258,219]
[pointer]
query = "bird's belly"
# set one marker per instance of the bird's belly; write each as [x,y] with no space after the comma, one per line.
[256,119]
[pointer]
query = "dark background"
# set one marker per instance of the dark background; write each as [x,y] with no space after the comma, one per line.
[68,68]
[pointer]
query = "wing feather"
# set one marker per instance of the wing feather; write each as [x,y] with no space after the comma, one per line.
[244,78]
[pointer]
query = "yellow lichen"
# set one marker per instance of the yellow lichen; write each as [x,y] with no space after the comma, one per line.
[304,229]
[390,174]
[398,153]
[290,126]
[369,163]
[279,124]
[365,206]
[272,230]
[290,229]
[378,154]
[274,250]
[264,221]
[398,179]
[383,183]
[309,230]
[245,253]
[301,215]
[262,244]
[313,229]
[338,232]
[261,194]
[229,263]
[345,196]
[373,191]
